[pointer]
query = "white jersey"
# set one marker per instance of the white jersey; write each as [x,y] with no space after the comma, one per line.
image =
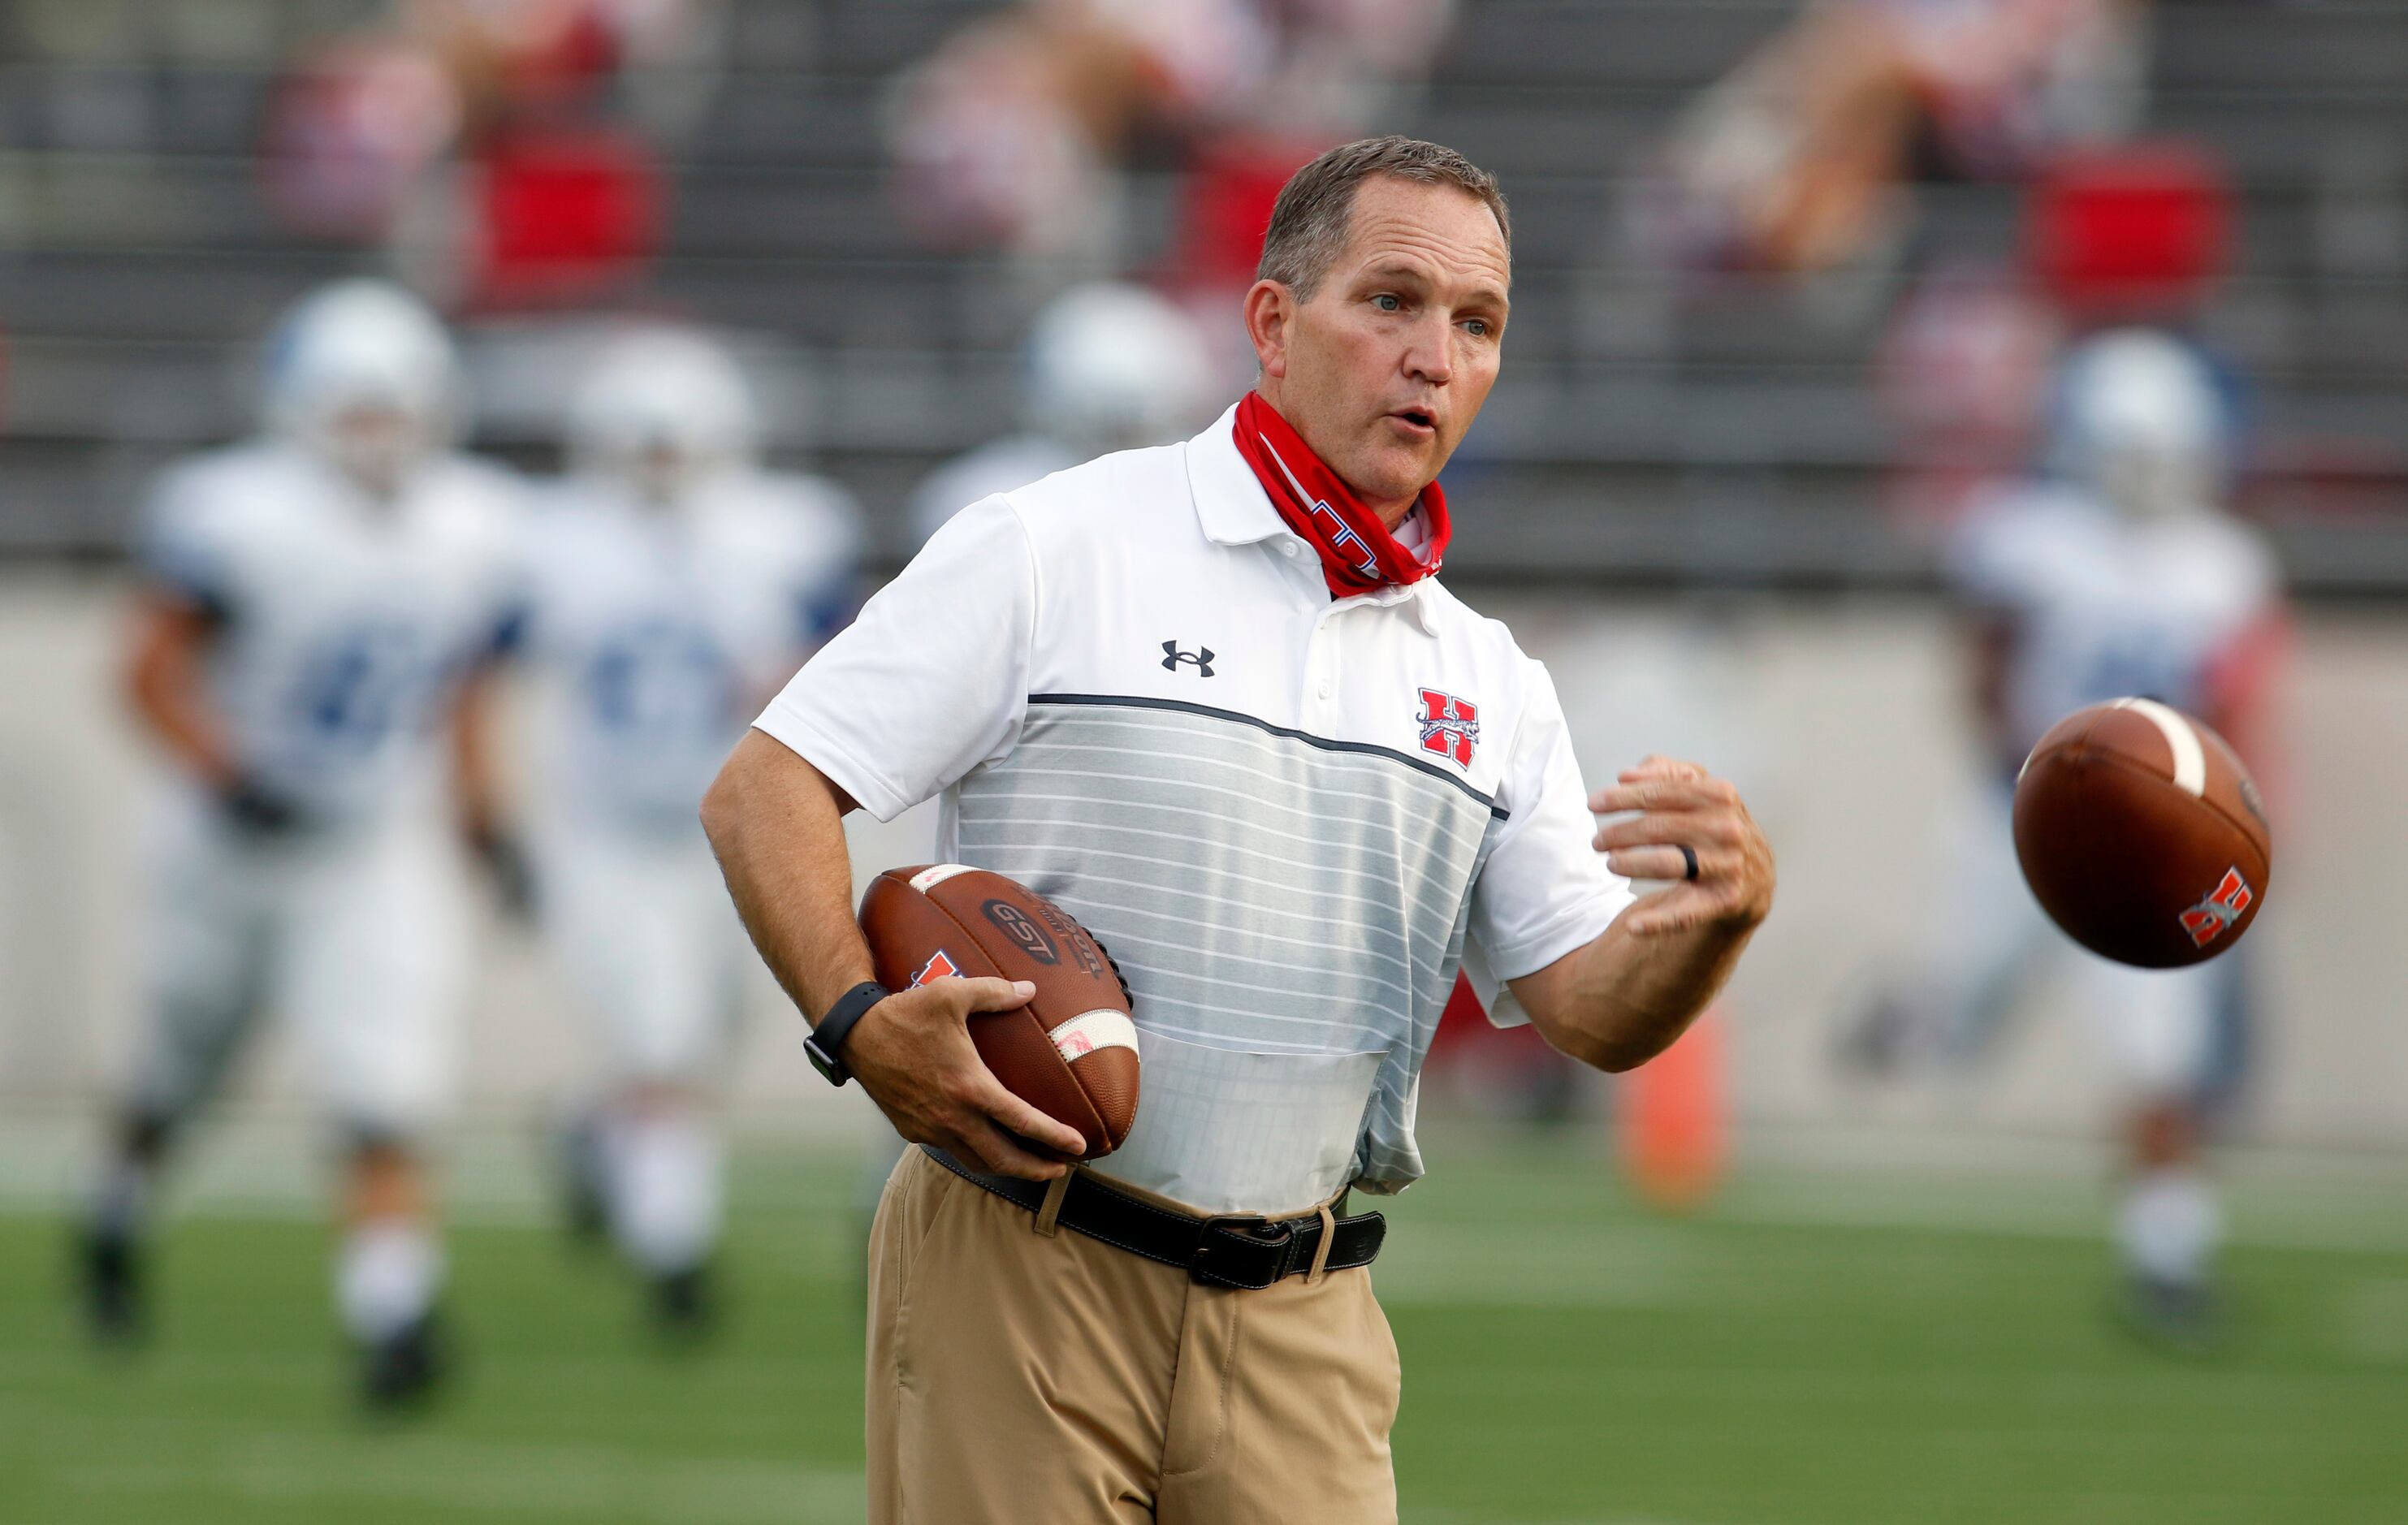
[662,631]
[2104,606]
[347,623]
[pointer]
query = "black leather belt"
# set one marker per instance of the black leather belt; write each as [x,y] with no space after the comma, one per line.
[1240,1251]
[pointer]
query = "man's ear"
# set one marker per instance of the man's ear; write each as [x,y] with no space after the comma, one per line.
[1269,309]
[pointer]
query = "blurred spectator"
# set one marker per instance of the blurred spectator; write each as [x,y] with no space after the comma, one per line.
[316,617]
[1962,376]
[1010,133]
[1795,162]
[2133,232]
[354,132]
[559,198]
[1108,368]
[2126,233]
[2118,574]
[672,586]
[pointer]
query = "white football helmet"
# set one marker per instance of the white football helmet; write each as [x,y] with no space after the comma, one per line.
[1113,366]
[362,373]
[2143,423]
[662,409]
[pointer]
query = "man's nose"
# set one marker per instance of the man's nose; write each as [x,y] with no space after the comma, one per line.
[1430,356]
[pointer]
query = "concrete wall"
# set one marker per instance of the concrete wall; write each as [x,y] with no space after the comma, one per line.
[1840,719]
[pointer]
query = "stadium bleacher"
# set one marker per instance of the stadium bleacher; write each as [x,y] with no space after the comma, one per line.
[1735,440]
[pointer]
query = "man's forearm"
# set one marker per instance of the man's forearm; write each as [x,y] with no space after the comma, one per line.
[1621,1000]
[776,824]
[164,680]
[475,772]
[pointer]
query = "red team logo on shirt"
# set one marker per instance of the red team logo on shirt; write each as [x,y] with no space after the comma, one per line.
[1450,726]
[2206,921]
[938,967]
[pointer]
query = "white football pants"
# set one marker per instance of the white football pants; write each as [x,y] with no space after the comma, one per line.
[356,936]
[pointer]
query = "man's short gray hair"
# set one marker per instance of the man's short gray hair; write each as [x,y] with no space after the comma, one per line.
[1315,208]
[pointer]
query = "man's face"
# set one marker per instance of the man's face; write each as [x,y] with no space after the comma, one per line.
[1388,364]
[376,444]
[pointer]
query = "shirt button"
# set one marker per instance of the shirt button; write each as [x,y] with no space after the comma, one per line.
[1324,691]
[1290,549]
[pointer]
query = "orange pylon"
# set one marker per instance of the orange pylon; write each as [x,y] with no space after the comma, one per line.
[1672,1125]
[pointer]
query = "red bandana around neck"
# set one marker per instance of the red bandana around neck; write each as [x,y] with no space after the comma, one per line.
[1358,555]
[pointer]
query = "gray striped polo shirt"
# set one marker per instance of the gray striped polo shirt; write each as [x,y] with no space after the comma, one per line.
[1292,819]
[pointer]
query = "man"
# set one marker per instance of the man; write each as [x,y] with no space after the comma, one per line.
[2115,575]
[1210,699]
[672,585]
[314,618]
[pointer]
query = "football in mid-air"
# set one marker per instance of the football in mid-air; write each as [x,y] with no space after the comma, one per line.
[1071,1051]
[2141,834]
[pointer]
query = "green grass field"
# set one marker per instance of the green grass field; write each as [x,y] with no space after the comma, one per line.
[1814,1351]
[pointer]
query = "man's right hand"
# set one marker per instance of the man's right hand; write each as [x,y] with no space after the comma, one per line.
[912,1053]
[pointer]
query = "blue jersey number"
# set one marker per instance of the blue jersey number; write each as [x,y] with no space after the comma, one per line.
[2138,664]
[660,681]
[357,689]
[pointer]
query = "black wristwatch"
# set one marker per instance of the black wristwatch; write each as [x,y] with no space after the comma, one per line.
[826,1042]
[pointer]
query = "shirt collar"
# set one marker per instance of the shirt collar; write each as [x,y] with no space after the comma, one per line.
[1234,510]
[1230,503]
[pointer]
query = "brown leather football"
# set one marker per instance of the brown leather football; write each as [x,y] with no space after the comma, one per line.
[1071,1052]
[2141,834]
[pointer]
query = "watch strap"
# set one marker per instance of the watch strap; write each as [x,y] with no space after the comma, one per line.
[826,1042]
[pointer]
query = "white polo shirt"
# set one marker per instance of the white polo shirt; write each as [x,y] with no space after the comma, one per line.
[1291,819]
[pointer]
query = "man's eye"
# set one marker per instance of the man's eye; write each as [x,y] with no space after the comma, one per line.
[1479,327]
[1386,301]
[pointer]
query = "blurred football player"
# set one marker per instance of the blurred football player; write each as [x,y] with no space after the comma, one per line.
[316,611]
[1109,366]
[2117,575]
[672,585]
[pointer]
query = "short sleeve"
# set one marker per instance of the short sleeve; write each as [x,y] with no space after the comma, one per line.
[1999,553]
[1544,890]
[932,679]
[182,546]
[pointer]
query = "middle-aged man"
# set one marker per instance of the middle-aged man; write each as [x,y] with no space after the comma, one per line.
[1210,698]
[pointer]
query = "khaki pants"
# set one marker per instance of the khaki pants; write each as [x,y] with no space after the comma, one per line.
[1016,1377]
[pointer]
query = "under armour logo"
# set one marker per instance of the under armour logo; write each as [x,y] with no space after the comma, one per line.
[1172,657]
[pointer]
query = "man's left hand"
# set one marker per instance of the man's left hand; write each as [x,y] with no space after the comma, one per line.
[1681,806]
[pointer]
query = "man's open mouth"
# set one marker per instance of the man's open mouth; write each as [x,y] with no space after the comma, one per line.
[1420,418]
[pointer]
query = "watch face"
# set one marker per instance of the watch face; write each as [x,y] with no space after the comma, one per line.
[836,1074]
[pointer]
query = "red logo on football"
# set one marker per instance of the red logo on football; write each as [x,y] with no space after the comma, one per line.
[2206,921]
[937,967]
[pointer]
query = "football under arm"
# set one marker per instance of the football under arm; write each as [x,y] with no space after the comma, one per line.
[167,685]
[776,824]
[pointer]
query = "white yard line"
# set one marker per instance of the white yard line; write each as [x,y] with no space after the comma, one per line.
[518,1480]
